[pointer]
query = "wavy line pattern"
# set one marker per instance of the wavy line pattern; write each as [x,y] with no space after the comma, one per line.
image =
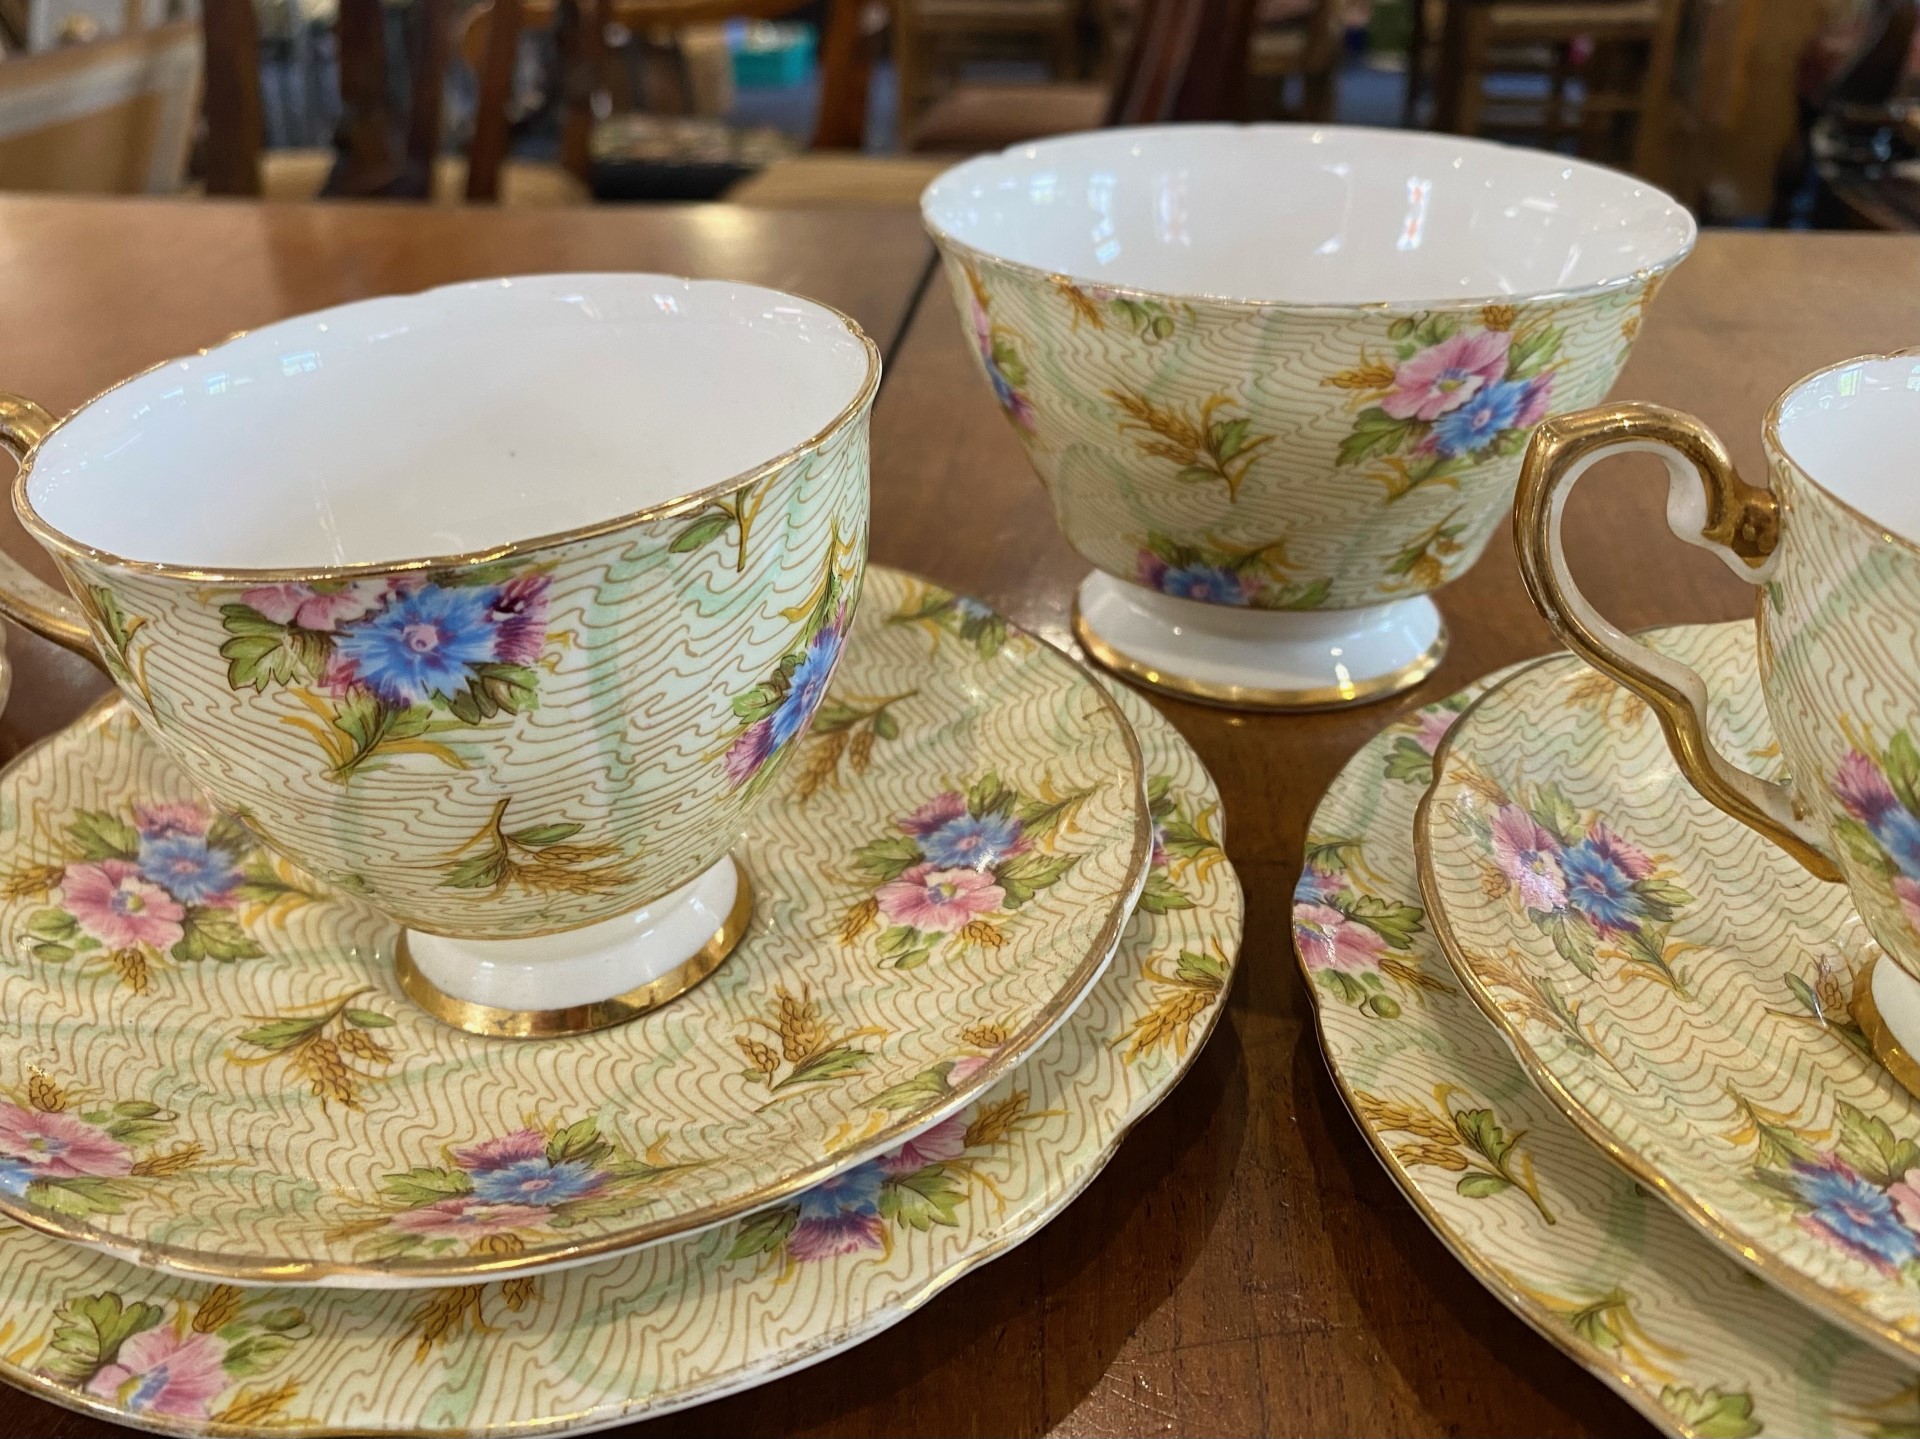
[680,1322]
[1074,351]
[287,1161]
[1669,1076]
[1601,1267]
[634,712]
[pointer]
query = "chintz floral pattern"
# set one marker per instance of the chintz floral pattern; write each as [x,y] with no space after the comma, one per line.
[958,869]
[681,1320]
[1598,1264]
[1380,447]
[388,666]
[1859,1193]
[527,1184]
[154,882]
[369,725]
[211,1358]
[64,1154]
[1880,793]
[322,1098]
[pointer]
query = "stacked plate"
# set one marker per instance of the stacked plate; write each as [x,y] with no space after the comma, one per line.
[254,1188]
[1601,1035]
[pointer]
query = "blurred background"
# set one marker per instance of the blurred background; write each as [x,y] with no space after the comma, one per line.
[1786,113]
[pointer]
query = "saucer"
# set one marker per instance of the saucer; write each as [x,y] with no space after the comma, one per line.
[210,1067]
[696,1317]
[1677,985]
[1599,1267]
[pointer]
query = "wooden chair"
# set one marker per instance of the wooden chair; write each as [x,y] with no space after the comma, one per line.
[111,116]
[931,37]
[1306,47]
[1184,60]
[1627,78]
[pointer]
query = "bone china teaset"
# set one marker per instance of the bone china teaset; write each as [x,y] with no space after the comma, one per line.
[546,934]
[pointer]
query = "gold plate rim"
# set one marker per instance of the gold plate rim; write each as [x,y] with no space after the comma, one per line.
[1812,1294]
[1244,697]
[198,1265]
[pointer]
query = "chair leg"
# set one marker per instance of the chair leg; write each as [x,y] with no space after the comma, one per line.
[1469,78]
[1656,96]
[1416,66]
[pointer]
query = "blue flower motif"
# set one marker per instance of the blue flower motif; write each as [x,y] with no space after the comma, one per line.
[1209,584]
[1600,885]
[1899,834]
[969,609]
[422,644]
[806,687]
[1858,1214]
[852,1191]
[1317,885]
[187,867]
[971,842]
[15,1175]
[534,1181]
[1479,422]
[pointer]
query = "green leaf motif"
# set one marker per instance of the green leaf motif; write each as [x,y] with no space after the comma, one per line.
[421,1186]
[927,1084]
[1574,942]
[55,925]
[1556,814]
[1025,875]
[1482,1186]
[1375,432]
[828,1064]
[213,934]
[887,859]
[539,836]
[255,1353]
[99,835]
[1407,761]
[705,530]
[579,1142]
[990,796]
[1393,920]
[88,1333]
[1162,896]
[922,1199]
[1871,1147]
[79,1196]
[1483,1134]
[764,1232]
[1712,1413]
[367,1019]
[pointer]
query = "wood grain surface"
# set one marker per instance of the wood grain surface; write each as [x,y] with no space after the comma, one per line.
[1244,1266]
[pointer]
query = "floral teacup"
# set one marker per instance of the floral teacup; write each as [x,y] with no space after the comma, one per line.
[1834,546]
[1277,380]
[497,606]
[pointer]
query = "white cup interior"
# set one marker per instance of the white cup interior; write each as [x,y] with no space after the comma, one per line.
[1304,215]
[459,419]
[1851,428]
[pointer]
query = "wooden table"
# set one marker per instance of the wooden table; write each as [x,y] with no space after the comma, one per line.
[1244,1266]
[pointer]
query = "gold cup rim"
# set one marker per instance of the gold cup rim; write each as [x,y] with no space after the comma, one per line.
[1777,450]
[1439,304]
[53,538]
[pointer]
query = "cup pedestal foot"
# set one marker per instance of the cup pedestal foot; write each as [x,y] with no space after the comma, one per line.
[581,979]
[1258,659]
[1886,1006]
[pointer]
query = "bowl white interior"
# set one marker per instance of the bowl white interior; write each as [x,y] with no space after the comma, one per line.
[1304,215]
[1850,428]
[455,420]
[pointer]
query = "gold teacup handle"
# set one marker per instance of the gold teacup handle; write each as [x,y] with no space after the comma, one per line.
[1708,505]
[25,598]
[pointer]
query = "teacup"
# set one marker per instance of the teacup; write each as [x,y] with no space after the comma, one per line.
[498,606]
[1277,379]
[1834,546]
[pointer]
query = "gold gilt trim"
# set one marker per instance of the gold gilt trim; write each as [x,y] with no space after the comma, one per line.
[60,542]
[1248,697]
[475,1268]
[1790,1281]
[1886,1047]
[496,1023]
[1740,518]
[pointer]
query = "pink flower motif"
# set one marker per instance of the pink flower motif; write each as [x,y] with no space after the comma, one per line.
[59,1146]
[1433,728]
[747,753]
[1906,1199]
[165,1370]
[169,820]
[508,1149]
[1861,787]
[317,608]
[519,614]
[1151,570]
[120,909]
[825,1238]
[1327,939]
[939,901]
[964,1069]
[467,1219]
[1530,857]
[1623,854]
[937,813]
[1539,400]
[1445,376]
[946,1140]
